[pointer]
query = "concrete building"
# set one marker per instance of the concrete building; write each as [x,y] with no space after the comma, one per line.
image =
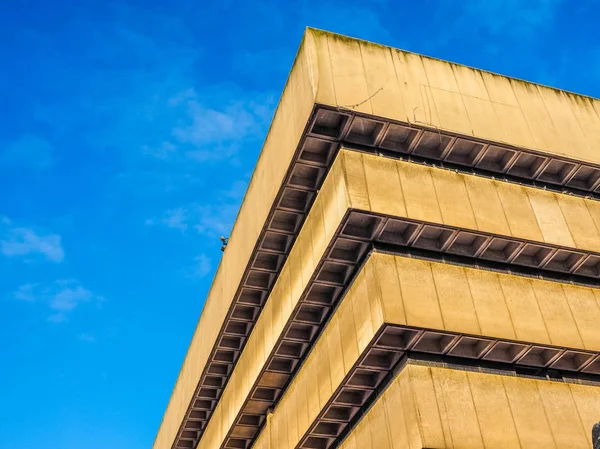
[416,264]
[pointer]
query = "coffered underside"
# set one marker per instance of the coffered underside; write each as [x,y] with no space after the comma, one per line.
[459,151]
[434,406]
[406,305]
[546,139]
[393,101]
[360,349]
[334,260]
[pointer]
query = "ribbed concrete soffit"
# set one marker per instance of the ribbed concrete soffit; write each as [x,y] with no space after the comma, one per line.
[377,81]
[400,309]
[398,206]
[431,406]
[453,150]
[546,143]
[370,200]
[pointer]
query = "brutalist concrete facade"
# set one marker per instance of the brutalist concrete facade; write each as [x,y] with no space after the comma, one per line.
[416,264]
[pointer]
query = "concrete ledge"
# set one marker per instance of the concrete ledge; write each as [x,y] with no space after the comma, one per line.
[362,346]
[394,101]
[396,306]
[368,200]
[374,80]
[436,407]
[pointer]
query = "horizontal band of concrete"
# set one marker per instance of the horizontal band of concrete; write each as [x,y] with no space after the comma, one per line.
[457,151]
[474,314]
[288,125]
[361,77]
[377,80]
[336,235]
[358,348]
[424,193]
[426,407]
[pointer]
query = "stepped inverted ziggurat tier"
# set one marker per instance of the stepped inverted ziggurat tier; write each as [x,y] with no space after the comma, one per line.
[416,264]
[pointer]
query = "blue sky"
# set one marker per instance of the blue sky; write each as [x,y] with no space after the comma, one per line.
[129,131]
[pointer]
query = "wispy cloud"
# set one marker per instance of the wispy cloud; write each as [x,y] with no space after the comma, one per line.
[87,338]
[173,218]
[212,219]
[183,125]
[59,299]
[215,220]
[159,120]
[57,318]
[69,296]
[213,126]
[26,292]
[29,152]
[202,266]
[21,241]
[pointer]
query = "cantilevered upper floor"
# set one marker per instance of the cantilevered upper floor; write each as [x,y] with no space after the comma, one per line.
[374,99]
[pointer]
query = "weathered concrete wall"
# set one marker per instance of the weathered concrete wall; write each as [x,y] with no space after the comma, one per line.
[431,407]
[404,86]
[399,290]
[373,79]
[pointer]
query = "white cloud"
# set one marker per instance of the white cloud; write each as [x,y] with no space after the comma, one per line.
[87,338]
[26,292]
[57,318]
[60,298]
[176,219]
[202,266]
[173,218]
[164,150]
[28,151]
[25,241]
[161,120]
[69,297]
[215,220]
[212,125]
[237,190]
[207,125]
[210,220]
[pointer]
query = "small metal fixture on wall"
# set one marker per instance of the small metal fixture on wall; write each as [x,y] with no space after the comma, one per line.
[224,241]
[596,435]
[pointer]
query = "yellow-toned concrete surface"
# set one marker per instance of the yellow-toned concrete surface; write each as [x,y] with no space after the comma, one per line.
[467,300]
[424,294]
[344,340]
[365,77]
[317,231]
[400,290]
[419,192]
[433,407]
[383,81]
[289,121]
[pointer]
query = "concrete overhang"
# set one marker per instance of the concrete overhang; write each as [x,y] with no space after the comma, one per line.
[343,91]
[434,406]
[370,203]
[401,311]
